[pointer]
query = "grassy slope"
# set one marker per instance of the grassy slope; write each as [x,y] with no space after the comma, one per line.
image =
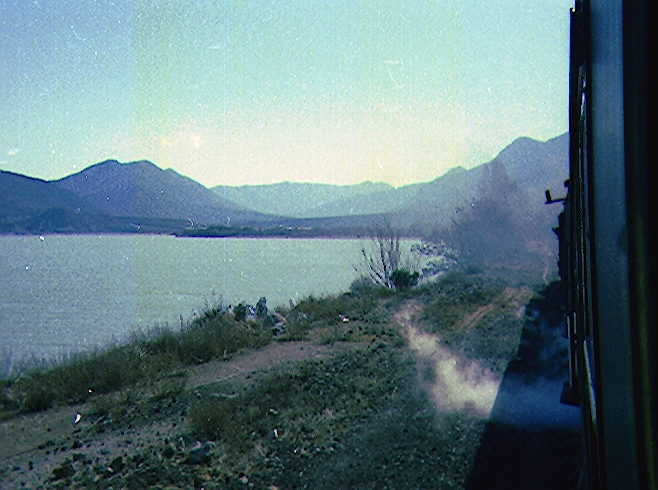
[359,419]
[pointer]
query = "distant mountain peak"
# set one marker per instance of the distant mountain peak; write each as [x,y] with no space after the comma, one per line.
[110,163]
[141,189]
[114,162]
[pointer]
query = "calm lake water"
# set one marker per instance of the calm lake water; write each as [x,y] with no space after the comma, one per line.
[67,293]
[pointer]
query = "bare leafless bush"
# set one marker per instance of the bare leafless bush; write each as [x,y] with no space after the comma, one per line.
[382,256]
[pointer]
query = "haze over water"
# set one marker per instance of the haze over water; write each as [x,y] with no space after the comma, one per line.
[66,293]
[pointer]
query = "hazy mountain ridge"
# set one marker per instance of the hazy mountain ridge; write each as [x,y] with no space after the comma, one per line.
[532,164]
[29,205]
[141,189]
[297,200]
[21,197]
[111,197]
[23,200]
[139,196]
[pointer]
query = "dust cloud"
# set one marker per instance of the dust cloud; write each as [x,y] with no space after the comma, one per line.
[453,383]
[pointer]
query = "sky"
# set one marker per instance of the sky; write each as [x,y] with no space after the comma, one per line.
[255,92]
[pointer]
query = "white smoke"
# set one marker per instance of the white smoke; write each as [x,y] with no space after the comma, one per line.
[454,384]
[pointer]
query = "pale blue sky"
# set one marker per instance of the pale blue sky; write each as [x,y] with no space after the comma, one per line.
[248,92]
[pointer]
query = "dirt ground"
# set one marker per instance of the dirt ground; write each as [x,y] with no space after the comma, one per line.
[427,434]
[33,445]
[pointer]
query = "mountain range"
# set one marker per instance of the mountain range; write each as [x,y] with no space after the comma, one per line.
[141,197]
[299,200]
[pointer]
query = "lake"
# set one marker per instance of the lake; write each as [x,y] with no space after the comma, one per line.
[62,294]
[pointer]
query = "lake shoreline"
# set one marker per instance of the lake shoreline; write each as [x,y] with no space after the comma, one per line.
[319,236]
[359,341]
[66,293]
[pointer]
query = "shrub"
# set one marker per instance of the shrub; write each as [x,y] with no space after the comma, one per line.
[240,312]
[330,308]
[261,308]
[403,279]
[364,286]
[169,388]
[296,330]
[38,396]
[6,400]
[104,404]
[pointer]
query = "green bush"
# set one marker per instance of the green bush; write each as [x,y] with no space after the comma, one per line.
[7,402]
[296,330]
[38,396]
[363,286]
[261,308]
[240,312]
[104,404]
[331,309]
[403,279]
[169,388]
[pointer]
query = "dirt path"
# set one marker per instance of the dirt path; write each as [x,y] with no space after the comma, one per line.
[279,354]
[453,383]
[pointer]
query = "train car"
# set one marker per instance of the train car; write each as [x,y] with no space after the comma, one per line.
[607,236]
